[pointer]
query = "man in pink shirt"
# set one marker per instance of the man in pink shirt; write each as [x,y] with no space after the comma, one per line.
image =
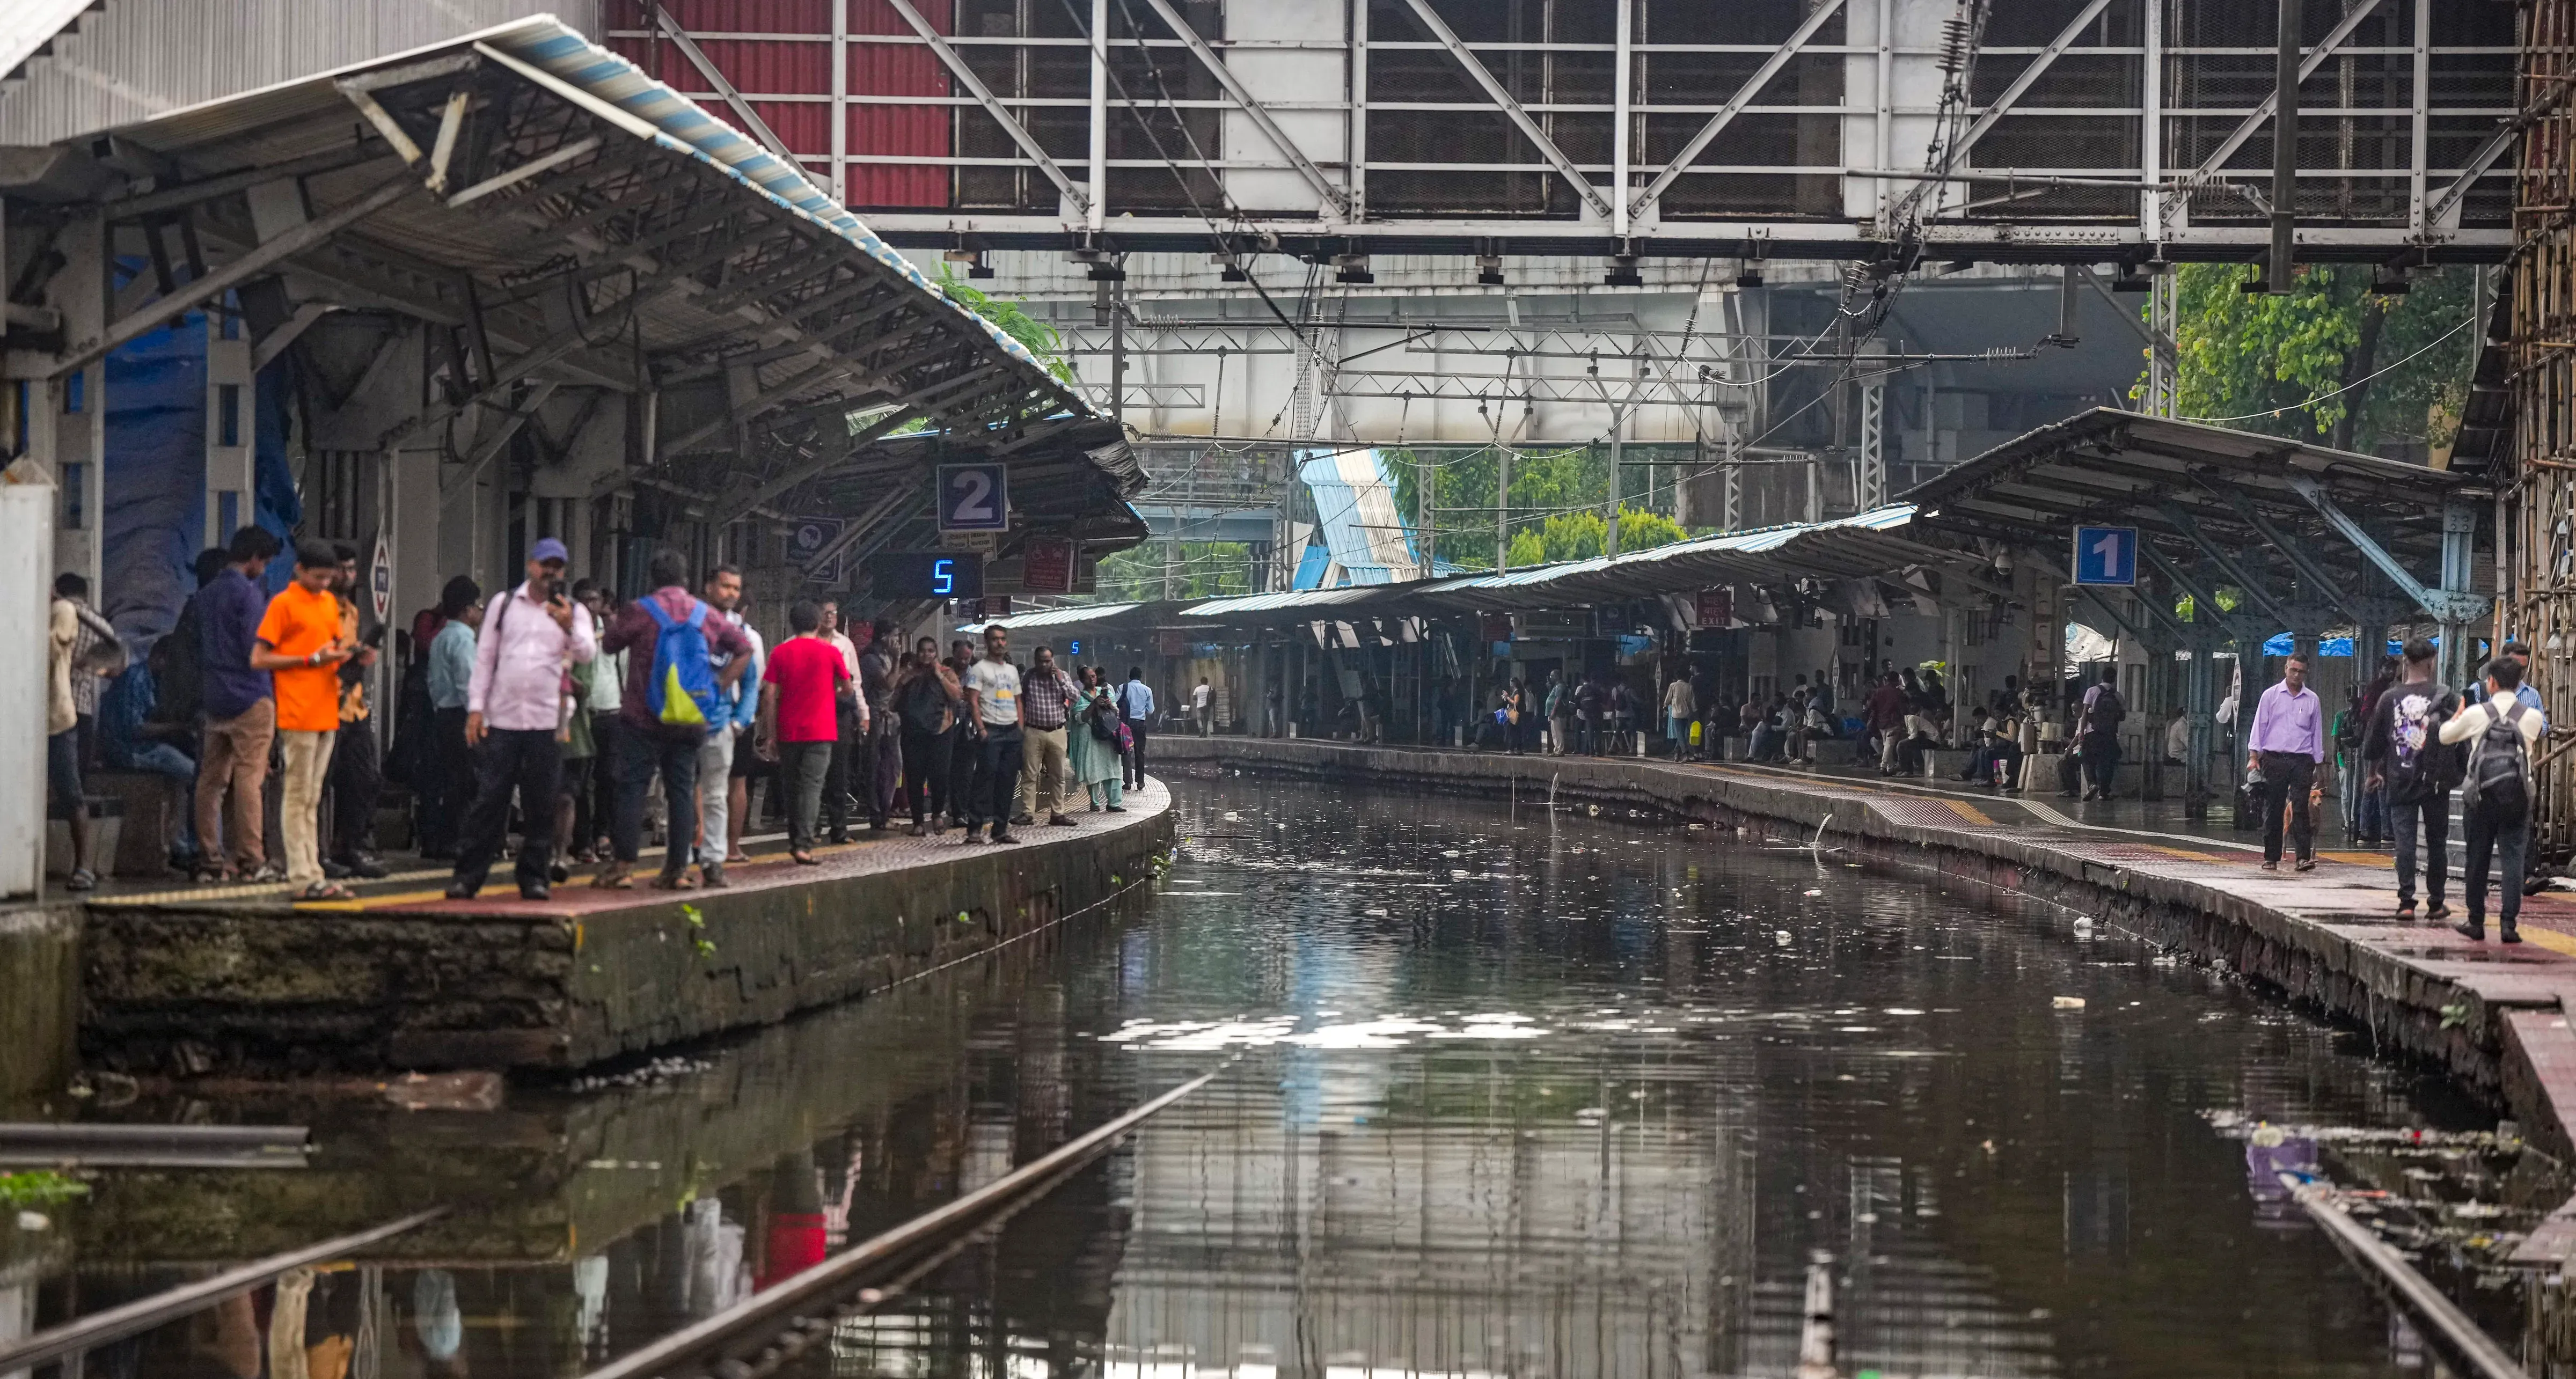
[514,720]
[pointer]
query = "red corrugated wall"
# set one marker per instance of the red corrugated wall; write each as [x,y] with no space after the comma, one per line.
[803,67]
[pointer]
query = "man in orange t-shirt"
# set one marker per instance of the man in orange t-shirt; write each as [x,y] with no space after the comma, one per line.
[299,644]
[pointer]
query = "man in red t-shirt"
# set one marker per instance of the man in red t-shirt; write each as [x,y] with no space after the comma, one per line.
[801,692]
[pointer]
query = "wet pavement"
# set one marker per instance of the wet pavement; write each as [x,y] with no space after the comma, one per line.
[1506,1093]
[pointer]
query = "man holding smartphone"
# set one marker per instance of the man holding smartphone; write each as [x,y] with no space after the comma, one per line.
[513,706]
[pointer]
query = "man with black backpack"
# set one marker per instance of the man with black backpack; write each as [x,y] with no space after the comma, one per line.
[2495,794]
[2104,710]
[2405,763]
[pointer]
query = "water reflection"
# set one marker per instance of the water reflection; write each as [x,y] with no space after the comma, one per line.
[1517,1097]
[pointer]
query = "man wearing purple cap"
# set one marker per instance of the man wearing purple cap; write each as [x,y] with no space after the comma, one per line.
[515,709]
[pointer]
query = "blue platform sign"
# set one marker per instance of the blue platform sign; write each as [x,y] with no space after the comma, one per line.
[2106,555]
[972,497]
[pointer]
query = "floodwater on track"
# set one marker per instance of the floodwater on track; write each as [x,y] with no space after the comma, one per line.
[1503,1093]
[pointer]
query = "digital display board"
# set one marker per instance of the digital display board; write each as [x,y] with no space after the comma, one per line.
[927,574]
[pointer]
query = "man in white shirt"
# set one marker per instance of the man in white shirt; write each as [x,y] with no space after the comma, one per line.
[854,726]
[993,724]
[514,706]
[715,758]
[1136,704]
[1199,706]
[2495,794]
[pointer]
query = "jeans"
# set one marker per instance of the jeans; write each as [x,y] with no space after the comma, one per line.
[836,778]
[577,792]
[885,757]
[308,759]
[357,781]
[997,778]
[235,758]
[2436,816]
[925,771]
[2287,777]
[608,736]
[1046,772]
[162,759]
[2505,843]
[640,753]
[715,782]
[802,768]
[530,762]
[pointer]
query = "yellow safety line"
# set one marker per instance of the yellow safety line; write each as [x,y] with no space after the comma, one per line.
[1970,813]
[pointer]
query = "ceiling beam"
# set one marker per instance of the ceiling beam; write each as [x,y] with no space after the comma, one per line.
[1447,38]
[1260,116]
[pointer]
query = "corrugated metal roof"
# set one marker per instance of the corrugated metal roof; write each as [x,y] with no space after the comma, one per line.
[1874,543]
[1053,617]
[28,25]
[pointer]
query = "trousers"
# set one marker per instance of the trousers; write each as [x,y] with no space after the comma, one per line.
[2287,777]
[529,763]
[997,777]
[2492,839]
[1136,754]
[235,759]
[802,768]
[2435,815]
[308,759]
[1046,771]
[357,781]
[925,771]
[449,767]
[715,784]
[640,755]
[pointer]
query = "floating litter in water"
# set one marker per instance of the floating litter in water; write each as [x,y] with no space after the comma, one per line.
[2084,927]
[1594,809]
[1781,937]
[1901,1010]
[2066,1003]
[1815,892]
[1455,874]
[1233,817]
[34,1221]
[1375,914]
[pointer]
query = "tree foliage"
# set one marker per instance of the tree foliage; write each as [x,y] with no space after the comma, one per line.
[1205,570]
[2259,359]
[1577,536]
[1012,320]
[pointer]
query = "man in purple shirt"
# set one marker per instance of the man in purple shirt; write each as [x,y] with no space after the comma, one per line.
[514,718]
[241,716]
[2281,756]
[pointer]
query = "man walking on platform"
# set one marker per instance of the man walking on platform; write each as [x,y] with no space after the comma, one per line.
[738,699]
[2405,764]
[445,780]
[665,712]
[1200,720]
[1136,704]
[2281,754]
[1884,714]
[882,762]
[850,723]
[2104,710]
[514,709]
[2500,733]
[993,711]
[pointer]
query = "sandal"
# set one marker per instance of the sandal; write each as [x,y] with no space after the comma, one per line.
[675,881]
[616,876]
[804,859]
[81,879]
[326,890]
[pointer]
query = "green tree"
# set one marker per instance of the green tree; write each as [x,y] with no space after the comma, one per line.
[1577,536]
[1012,320]
[1206,570]
[2377,368]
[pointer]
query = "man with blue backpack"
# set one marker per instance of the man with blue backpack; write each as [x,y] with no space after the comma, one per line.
[673,699]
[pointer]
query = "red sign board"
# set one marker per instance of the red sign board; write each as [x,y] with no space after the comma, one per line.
[1716,607]
[994,606]
[1046,565]
[1497,627]
[1174,643]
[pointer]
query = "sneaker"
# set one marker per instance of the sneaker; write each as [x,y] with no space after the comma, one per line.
[919,831]
[367,865]
[2271,866]
[1059,821]
[335,869]
[1004,836]
[2506,933]
[558,873]
[462,890]
[974,836]
[536,890]
[2438,911]
[711,876]
[2474,930]
[1117,809]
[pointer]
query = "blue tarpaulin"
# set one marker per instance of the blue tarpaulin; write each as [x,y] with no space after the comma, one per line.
[2282,645]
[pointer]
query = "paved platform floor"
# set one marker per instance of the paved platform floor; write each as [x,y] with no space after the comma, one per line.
[420,888]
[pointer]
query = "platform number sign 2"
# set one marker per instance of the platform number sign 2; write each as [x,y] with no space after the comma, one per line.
[2106,555]
[973,497]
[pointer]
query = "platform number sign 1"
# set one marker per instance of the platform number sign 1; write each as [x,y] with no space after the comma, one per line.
[973,497]
[2106,555]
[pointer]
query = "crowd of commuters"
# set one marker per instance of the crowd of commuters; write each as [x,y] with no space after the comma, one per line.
[554,714]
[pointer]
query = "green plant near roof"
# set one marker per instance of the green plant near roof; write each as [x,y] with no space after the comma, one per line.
[39,1188]
[1013,320]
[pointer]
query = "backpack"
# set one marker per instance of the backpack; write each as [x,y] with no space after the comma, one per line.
[2499,768]
[682,688]
[181,672]
[2107,711]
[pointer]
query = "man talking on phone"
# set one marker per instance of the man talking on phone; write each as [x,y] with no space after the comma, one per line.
[514,707]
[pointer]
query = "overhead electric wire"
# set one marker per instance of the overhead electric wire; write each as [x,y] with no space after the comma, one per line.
[2321,397]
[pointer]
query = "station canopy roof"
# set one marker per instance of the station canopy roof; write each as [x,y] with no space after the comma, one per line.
[578,224]
[2240,491]
[1882,543]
